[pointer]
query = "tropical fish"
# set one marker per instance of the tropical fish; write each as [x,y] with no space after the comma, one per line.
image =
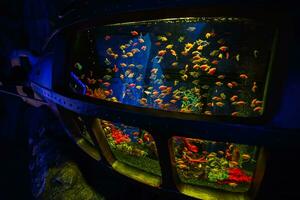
[243,76]
[174,64]
[240,103]
[91,81]
[223,48]
[184,77]
[107,77]
[107,37]
[109,51]
[78,66]
[227,55]
[158,101]
[246,156]
[219,83]
[106,84]
[230,85]
[195,82]
[214,53]
[134,33]
[123,64]
[232,184]
[121,76]
[212,71]
[200,48]
[139,78]
[154,70]
[138,87]
[123,47]
[208,35]
[188,46]
[143,101]
[114,55]
[216,98]
[107,62]
[131,85]
[257,109]
[127,72]
[161,52]
[157,43]
[220,56]
[237,57]
[147,92]
[184,53]
[173,52]
[162,38]
[124,56]
[223,96]
[115,69]
[221,76]
[254,87]
[131,65]
[234,114]
[131,75]
[195,74]
[207,112]
[196,67]
[191,29]
[129,54]
[234,98]
[139,66]
[181,39]
[144,48]
[214,62]
[255,53]
[135,50]
[204,67]
[205,87]
[169,46]
[137,133]
[141,40]
[155,93]
[173,101]
[162,87]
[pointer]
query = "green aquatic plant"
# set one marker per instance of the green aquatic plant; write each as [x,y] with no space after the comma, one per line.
[191,100]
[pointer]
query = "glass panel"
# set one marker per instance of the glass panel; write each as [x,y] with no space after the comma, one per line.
[132,146]
[83,131]
[212,66]
[220,165]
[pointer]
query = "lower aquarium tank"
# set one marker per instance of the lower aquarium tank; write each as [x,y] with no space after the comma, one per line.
[206,66]
[134,149]
[219,165]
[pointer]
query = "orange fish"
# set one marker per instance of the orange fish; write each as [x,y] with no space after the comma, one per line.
[185,98]
[220,104]
[207,112]
[173,101]
[210,104]
[161,52]
[257,109]
[155,93]
[234,83]
[212,71]
[107,93]
[158,101]
[204,67]
[243,76]
[162,87]
[196,57]
[129,54]
[234,114]
[115,69]
[230,85]
[196,67]
[223,48]
[157,43]
[234,98]
[134,33]
[214,62]
[217,98]
[143,101]
[173,52]
[184,53]
[123,64]
[200,48]
[135,133]
[240,103]
[254,87]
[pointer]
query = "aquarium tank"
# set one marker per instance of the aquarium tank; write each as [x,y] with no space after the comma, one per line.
[220,165]
[202,65]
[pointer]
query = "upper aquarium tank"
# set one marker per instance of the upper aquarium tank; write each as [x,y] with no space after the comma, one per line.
[205,66]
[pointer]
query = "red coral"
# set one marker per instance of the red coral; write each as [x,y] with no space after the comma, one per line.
[238,176]
[119,137]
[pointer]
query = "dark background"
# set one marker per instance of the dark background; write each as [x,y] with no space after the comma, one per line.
[26,24]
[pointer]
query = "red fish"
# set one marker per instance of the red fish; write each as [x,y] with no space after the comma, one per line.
[214,62]
[163,87]
[196,67]
[106,84]
[143,48]
[234,98]
[223,48]
[257,109]
[115,69]
[212,71]
[161,52]
[131,85]
[134,33]
[243,76]
[234,114]
[204,67]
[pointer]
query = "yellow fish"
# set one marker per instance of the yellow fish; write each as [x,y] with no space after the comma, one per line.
[169,46]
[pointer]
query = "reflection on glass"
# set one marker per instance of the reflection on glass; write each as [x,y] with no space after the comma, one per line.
[132,146]
[211,66]
[225,166]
